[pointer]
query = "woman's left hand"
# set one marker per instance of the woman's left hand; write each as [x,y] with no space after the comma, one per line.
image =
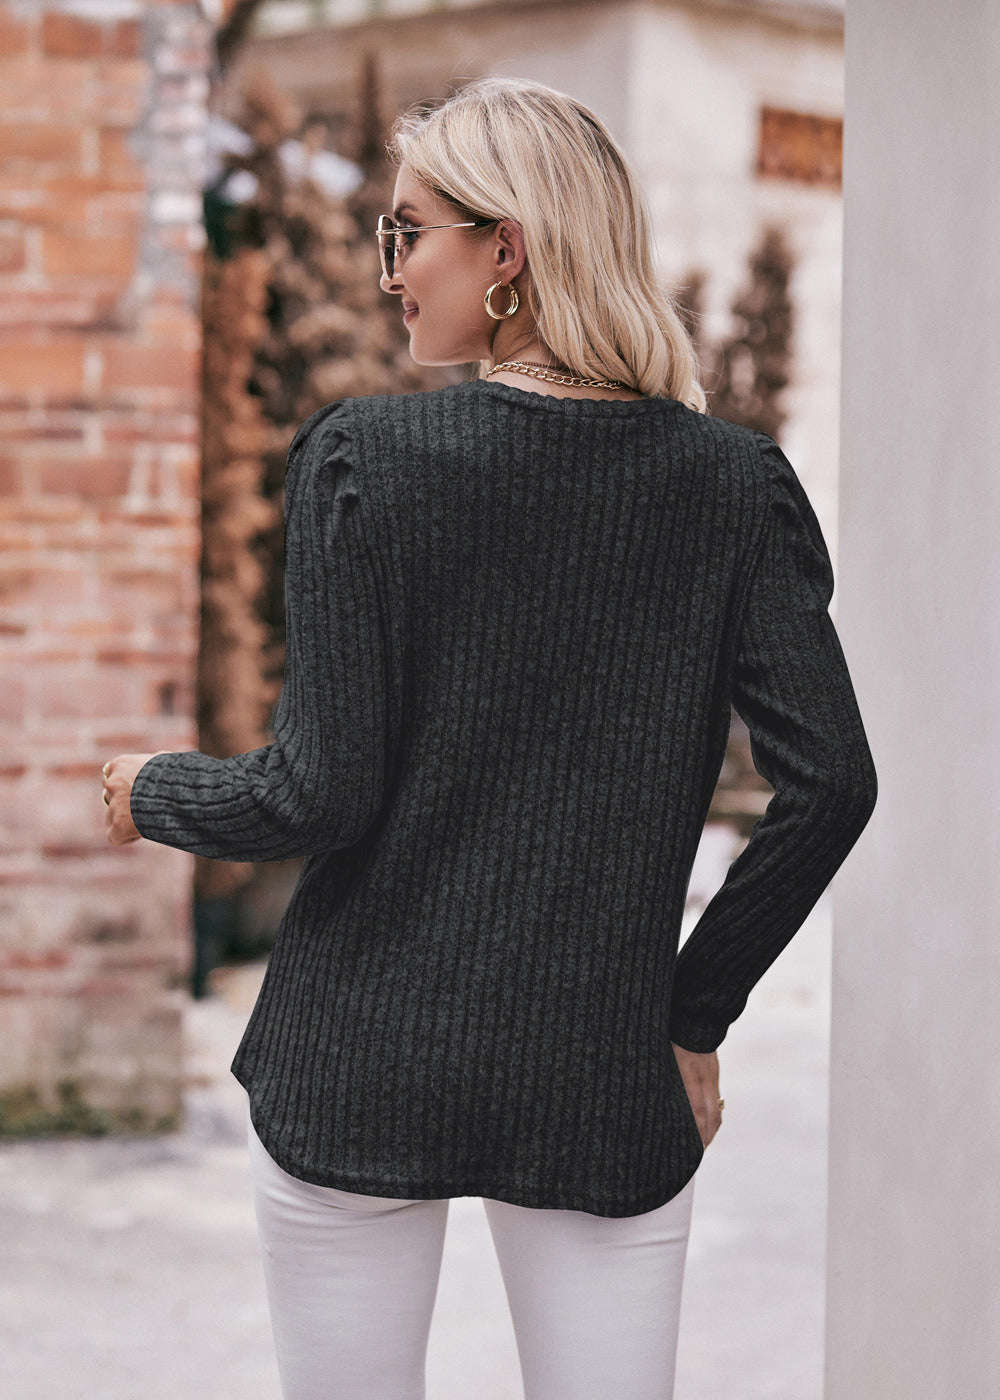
[700,1073]
[119,775]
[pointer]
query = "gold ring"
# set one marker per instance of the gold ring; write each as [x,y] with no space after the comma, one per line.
[104,770]
[106,802]
[722,1104]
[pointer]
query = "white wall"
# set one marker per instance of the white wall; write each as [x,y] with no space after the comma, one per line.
[698,81]
[914,1209]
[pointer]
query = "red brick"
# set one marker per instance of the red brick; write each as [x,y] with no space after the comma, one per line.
[51,957]
[138,590]
[167,294]
[124,656]
[172,325]
[138,366]
[13,534]
[93,627]
[67,201]
[88,255]
[156,425]
[40,510]
[87,771]
[69,850]
[71,532]
[124,39]
[19,196]
[111,213]
[27,310]
[71,692]
[116,155]
[132,518]
[116,741]
[32,144]
[50,653]
[179,475]
[139,957]
[41,588]
[94,478]
[68,36]
[12,697]
[35,200]
[100,986]
[12,252]
[56,368]
[90,187]
[46,89]
[11,879]
[15,35]
[11,478]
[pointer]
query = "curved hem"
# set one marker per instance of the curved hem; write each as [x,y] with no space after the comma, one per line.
[490,1188]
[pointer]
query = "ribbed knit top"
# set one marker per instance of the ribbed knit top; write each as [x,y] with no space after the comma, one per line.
[515,626]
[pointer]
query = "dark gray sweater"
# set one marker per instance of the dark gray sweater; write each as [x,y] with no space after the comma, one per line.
[515,624]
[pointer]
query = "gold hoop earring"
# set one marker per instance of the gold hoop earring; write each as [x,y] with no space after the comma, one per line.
[514,302]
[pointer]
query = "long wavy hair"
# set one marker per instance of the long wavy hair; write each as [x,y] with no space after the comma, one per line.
[504,148]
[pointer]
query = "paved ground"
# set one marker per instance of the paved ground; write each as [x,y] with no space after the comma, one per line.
[129,1269]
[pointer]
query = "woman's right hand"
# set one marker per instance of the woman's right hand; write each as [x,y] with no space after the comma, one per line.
[701,1080]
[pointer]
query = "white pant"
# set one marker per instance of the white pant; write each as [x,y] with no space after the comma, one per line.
[351,1282]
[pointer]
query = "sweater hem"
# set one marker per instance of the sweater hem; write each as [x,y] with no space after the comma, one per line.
[424,1188]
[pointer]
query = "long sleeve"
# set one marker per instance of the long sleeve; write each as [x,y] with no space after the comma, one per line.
[320,783]
[792,687]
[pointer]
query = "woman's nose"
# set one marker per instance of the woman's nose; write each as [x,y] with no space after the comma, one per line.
[390,284]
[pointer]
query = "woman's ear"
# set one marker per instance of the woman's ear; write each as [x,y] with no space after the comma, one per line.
[508,249]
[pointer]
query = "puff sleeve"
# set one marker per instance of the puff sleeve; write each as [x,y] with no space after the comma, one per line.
[791,685]
[320,783]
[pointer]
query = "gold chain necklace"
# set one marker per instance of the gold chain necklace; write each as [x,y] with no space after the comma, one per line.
[537,371]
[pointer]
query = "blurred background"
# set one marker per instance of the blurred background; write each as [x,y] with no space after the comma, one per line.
[189,195]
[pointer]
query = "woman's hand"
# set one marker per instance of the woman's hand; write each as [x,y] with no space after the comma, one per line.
[119,775]
[701,1080]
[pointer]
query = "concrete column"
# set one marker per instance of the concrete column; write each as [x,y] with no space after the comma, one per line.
[913,1297]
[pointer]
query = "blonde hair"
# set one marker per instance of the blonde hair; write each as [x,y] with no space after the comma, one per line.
[503,148]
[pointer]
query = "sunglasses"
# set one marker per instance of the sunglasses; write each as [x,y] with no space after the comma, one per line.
[394,239]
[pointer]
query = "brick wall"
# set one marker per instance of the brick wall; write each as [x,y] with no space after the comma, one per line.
[101,144]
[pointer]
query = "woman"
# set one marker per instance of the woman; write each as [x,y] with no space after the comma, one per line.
[518,610]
